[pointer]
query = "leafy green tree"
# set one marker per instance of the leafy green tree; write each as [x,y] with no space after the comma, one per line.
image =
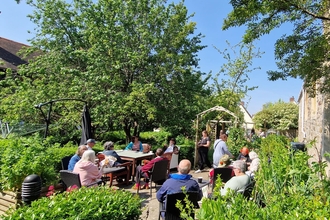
[305,52]
[230,83]
[279,116]
[135,63]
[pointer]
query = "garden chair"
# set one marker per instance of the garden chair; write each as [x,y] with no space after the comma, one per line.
[174,162]
[168,156]
[159,173]
[169,211]
[247,191]
[225,174]
[70,179]
[65,162]
[122,170]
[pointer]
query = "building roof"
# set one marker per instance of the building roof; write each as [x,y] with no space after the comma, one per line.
[9,57]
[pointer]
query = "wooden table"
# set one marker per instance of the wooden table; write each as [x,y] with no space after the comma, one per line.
[134,156]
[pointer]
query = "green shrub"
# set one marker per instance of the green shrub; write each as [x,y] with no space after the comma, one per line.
[236,141]
[155,138]
[85,203]
[25,156]
[187,152]
[288,187]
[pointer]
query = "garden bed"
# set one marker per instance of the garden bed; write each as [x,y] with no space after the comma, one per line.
[13,199]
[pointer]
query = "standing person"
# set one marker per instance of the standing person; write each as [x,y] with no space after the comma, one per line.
[90,144]
[176,181]
[135,144]
[75,158]
[220,148]
[203,149]
[143,171]
[171,148]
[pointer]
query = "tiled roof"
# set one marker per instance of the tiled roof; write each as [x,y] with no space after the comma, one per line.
[9,57]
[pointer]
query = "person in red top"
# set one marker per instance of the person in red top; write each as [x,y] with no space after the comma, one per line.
[143,171]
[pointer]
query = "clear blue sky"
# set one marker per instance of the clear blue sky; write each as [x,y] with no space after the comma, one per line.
[209,16]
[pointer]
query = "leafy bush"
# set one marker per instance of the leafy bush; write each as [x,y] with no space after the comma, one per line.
[25,156]
[155,138]
[286,185]
[85,203]
[187,152]
[237,140]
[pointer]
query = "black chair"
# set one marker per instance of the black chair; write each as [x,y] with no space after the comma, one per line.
[65,162]
[224,172]
[70,179]
[170,210]
[158,174]
[247,192]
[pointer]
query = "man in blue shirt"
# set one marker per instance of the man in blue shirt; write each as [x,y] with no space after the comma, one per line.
[178,180]
[75,158]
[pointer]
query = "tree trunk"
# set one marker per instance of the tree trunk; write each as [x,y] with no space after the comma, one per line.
[127,130]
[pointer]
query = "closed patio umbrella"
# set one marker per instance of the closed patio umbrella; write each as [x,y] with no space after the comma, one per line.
[86,126]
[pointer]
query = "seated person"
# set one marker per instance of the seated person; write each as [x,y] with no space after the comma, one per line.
[75,158]
[224,162]
[143,171]
[135,144]
[90,144]
[176,181]
[252,169]
[239,181]
[88,172]
[171,148]
[244,155]
[109,151]
[146,148]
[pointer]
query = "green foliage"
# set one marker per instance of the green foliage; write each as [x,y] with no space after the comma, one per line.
[287,186]
[230,84]
[187,152]
[301,53]
[86,203]
[236,141]
[134,63]
[22,157]
[156,139]
[279,116]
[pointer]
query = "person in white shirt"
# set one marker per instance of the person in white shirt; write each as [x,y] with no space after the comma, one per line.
[171,148]
[252,169]
[90,144]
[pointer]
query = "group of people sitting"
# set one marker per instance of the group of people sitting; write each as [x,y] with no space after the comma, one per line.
[244,167]
[83,162]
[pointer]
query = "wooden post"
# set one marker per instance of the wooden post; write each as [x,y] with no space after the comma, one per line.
[196,142]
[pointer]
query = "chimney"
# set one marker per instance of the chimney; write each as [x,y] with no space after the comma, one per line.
[292,99]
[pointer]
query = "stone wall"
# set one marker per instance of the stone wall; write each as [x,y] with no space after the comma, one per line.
[314,124]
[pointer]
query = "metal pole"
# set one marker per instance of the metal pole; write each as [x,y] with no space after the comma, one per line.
[48,119]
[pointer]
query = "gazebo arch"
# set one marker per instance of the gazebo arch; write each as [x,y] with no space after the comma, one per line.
[215,108]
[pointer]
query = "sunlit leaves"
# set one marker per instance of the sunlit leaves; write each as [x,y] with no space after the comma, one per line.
[302,52]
